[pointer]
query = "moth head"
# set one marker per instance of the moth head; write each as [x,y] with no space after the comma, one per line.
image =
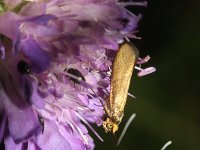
[110,126]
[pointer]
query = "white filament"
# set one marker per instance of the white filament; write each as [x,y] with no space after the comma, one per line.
[138,68]
[124,4]
[131,95]
[166,145]
[81,118]
[125,128]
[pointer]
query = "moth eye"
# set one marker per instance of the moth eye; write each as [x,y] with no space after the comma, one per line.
[23,67]
[109,125]
[76,73]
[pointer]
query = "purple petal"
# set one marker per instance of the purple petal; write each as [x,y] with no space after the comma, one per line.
[19,117]
[42,19]
[32,145]
[146,71]
[143,60]
[10,21]
[51,139]
[11,145]
[16,45]
[75,142]
[36,99]
[39,57]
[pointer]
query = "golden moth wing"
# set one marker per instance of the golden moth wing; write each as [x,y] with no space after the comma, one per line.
[123,66]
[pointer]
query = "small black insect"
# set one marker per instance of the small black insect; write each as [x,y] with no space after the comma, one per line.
[41,120]
[23,67]
[76,73]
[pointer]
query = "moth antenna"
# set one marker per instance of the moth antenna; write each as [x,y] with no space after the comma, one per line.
[166,145]
[114,137]
[125,128]
[91,128]
[131,95]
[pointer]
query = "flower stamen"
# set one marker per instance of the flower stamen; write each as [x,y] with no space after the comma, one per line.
[124,4]
[91,128]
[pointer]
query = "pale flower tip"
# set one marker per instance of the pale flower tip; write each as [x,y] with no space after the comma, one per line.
[146,71]
[143,60]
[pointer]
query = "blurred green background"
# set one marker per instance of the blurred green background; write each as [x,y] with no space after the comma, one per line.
[168,101]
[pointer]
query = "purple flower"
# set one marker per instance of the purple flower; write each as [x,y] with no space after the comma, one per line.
[54,57]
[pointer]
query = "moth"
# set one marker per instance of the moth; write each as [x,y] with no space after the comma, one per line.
[122,70]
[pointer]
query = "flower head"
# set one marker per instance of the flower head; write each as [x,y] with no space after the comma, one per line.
[55,60]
